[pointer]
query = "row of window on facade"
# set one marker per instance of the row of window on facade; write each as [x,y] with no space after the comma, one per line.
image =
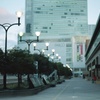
[46,12]
[95,62]
[38,8]
[45,29]
[79,69]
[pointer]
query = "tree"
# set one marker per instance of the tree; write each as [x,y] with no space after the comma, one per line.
[20,63]
[44,65]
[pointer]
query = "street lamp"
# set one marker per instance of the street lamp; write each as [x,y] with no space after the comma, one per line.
[37,34]
[43,50]
[52,55]
[29,41]
[59,58]
[53,51]
[6,27]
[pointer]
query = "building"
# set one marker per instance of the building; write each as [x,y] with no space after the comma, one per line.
[78,58]
[93,53]
[58,21]
[91,28]
[57,17]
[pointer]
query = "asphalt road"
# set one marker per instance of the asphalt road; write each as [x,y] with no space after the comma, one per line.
[73,89]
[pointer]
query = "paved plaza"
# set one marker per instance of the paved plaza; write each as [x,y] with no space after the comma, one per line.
[72,89]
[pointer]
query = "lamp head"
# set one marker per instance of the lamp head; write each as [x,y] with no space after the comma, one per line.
[37,33]
[43,50]
[48,55]
[21,34]
[34,44]
[57,55]
[19,14]
[52,57]
[47,44]
[53,50]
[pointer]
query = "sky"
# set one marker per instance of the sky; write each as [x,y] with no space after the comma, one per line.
[8,10]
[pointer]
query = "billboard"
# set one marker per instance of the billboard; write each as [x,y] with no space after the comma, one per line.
[79,52]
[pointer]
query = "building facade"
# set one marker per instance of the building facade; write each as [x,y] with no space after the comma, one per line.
[58,21]
[57,17]
[93,53]
[91,28]
[78,54]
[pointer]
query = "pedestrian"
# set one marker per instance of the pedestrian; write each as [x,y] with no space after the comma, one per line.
[93,79]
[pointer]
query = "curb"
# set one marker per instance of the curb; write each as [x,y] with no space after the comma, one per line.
[24,92]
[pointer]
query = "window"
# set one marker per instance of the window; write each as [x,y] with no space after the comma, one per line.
[63,16]
[68,45]
[38,8]
[45,27]
[65,13]
[44,31]
[68,59]
[82,10]
[28,28]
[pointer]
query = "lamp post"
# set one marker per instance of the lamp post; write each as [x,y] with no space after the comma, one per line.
[57,57]
[43,50]
[52,55]
[29,41]
[53,51]
[6,27]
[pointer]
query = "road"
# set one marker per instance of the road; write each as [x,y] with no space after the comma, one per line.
[73,89]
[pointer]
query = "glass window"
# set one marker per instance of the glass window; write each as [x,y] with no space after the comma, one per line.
[68,45]
[28,28]
[63,16]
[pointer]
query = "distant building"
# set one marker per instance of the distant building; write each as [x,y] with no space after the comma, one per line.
[91,28]
[78,58]
[59,22]
[57,17]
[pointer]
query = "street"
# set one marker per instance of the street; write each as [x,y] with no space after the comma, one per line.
[72,89]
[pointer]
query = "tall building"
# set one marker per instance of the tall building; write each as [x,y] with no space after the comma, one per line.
[91,28]
[57,17]
[79,49]
[58,21]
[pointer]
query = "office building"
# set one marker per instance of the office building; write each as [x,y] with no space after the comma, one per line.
[57,17]
[91,28]
[58,21]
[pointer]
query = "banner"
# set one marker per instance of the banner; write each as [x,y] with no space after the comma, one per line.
[79,52]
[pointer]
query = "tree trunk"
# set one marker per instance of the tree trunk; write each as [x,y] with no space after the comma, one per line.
[19,80]
[4,81]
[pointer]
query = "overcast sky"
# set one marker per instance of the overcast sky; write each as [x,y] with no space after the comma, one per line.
[7,14]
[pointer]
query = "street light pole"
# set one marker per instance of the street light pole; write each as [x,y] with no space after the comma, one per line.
[43,50]
[6,27]
[29,41]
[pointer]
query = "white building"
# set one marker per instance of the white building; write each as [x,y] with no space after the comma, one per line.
[91,28]
[79,48]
